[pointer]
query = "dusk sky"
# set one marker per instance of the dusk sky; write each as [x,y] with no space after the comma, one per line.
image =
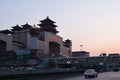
[95,24]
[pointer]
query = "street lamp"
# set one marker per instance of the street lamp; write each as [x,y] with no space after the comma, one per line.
[81,47]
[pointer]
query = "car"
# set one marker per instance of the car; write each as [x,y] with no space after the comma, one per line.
[90,73]
[115,69]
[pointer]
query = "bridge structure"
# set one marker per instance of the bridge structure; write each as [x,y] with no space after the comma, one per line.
[101,63]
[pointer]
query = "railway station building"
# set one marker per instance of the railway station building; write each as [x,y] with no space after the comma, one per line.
[35,41]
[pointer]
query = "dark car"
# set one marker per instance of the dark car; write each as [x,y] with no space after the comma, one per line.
[115,69]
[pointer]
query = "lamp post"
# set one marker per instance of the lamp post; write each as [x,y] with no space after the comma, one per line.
[81,47]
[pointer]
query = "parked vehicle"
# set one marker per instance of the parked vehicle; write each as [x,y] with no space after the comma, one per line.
[115,69]
[90,73]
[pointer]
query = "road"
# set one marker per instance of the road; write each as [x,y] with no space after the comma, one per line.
[101,76]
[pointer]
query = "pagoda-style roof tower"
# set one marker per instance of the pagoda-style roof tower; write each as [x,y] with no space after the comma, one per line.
[48,25]
[16,28]
[68,43]
[26,26]
[6,31]
[34,31]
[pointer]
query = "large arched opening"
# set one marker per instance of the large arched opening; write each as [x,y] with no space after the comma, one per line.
[54,48]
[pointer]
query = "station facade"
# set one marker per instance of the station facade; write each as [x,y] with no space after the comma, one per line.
[35,41]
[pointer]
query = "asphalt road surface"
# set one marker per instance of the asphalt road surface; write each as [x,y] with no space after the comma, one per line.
[101,76]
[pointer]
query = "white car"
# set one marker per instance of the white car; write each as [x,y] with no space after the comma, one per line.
[90,73]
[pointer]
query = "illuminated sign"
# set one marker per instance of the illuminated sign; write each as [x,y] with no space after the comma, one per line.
[53,38]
